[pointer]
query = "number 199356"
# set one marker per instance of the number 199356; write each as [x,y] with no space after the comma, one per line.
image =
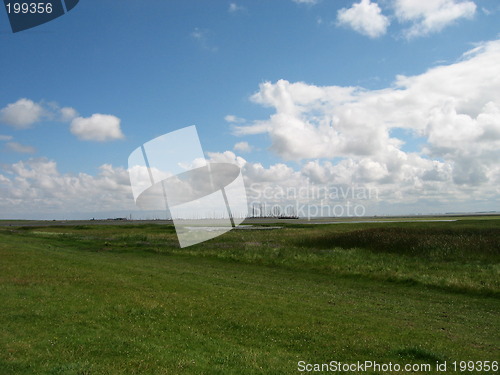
[33,8]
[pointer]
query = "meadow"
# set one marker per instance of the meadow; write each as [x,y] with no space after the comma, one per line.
[125,299]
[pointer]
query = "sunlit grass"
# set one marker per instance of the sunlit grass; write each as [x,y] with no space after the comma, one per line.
[127,300]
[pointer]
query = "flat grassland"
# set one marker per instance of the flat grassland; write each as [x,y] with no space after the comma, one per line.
[125,299]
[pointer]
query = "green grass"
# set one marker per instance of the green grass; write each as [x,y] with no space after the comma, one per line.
[126,300]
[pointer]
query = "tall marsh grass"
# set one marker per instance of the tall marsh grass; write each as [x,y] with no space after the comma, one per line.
[434,243]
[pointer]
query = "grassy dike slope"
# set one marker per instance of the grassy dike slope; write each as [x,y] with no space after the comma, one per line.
[123,300]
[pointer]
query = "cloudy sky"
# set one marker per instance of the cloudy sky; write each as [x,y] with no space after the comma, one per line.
[400,96]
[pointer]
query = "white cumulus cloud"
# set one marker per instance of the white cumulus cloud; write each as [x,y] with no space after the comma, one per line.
[431,16]
[454,109]
[22,114]
[97,127]
[67,114]
[364,17]
[243,147]
[37,186]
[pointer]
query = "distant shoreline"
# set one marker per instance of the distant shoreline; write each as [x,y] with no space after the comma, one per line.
[260,220]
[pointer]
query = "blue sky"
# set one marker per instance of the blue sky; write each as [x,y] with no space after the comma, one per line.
[156,66]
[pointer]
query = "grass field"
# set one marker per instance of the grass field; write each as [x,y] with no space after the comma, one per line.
[124,299]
